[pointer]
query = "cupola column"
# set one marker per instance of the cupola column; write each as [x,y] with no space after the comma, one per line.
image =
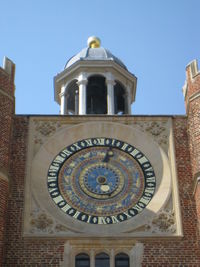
[63,101]
[82,82]
[110,95]
[128,100]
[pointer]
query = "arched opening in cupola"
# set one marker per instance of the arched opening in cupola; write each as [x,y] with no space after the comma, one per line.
[120,99]
[96,95]
[72,98]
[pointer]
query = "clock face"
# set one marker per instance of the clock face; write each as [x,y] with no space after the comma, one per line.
[101,181]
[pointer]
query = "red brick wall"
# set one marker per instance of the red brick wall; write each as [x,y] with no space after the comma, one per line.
[20,251]
[7,82]
[6,117]
[194,134]
[23,252]
[183,252]
[6,114]
[193,83]
[193,112]
[197,199]
[3,207]
[192,102]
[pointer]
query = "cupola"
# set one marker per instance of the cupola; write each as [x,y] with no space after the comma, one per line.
[94,81]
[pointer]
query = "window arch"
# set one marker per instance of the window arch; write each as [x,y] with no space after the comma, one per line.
[102,260]
[122,260]
[82,260]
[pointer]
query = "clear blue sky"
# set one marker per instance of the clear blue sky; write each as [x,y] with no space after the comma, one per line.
[155,39]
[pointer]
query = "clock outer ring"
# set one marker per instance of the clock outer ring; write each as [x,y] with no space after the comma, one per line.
[133,136]
[127,205]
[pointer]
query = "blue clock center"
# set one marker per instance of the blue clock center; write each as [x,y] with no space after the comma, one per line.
[101,179]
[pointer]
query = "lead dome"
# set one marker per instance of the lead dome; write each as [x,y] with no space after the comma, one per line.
[94,52]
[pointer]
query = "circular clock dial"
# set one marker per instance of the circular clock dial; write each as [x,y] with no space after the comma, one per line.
[101,181]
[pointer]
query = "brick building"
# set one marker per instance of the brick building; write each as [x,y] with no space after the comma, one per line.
[96,186]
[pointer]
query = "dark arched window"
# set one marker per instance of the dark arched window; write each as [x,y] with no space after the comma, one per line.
[82,260]
[102,260]
[96,95]
[122,260]
[72,98]
[120,99]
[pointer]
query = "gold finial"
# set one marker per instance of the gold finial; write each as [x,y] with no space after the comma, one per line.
[94,42]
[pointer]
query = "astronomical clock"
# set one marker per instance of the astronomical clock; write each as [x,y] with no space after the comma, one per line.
[101,180]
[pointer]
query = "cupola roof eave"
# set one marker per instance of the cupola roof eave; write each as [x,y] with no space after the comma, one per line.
[91,64]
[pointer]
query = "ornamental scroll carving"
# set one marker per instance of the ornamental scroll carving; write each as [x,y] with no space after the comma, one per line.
[42,223]
[159,130]
[41,131]
[45,129]
[164,222]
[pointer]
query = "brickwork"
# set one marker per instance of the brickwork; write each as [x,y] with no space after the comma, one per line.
[184,252]
[6,116]
[197,199]
[7,82]
[5,131]
[193,81]
[6,113]
[24,251]
[3,207]
[193,108]
[192,102]
[194,134]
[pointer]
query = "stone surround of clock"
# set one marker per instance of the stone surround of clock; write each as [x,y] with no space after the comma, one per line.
[105,152]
